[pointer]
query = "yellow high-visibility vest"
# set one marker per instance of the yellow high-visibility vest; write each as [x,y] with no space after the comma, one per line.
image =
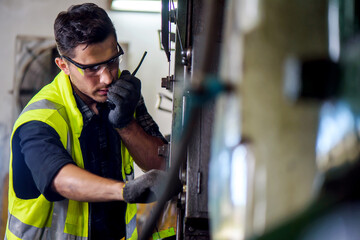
[38,218]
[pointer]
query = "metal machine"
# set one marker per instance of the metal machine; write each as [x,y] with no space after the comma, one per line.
[280,65]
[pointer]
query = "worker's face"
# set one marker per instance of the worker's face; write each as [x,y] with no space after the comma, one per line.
[92,86]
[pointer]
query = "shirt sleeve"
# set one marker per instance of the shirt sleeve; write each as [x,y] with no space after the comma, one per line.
[145,120]
[44,155]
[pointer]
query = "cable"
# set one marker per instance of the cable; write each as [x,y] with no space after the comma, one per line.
[177,27]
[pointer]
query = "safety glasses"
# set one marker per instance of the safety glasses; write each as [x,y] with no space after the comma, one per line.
[96,69]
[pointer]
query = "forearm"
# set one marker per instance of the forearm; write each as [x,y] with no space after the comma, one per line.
[78,184]
[142,147]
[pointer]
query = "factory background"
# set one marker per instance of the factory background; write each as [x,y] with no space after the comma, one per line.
[264,107]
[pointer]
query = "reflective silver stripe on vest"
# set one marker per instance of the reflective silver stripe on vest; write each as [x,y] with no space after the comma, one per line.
[130,227]
[58,219]
[28,232]
[46,104]
[25,231]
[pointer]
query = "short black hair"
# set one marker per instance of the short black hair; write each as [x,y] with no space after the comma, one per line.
[81,24]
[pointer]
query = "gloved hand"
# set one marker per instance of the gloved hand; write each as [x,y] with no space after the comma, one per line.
[125,94]
[148,187]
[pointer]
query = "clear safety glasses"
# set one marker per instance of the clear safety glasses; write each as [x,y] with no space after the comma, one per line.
[96,69]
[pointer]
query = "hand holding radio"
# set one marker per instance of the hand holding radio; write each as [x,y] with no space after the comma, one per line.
[125,95]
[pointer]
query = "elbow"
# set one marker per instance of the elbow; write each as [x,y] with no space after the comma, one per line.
[60,186]
[64,182]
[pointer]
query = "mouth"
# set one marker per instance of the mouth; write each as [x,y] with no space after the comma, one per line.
[103,91]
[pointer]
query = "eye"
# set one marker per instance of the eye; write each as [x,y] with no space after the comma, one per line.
[113,62]
[93,69]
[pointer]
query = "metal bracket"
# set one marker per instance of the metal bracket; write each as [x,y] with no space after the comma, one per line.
[166,82]
[163,151]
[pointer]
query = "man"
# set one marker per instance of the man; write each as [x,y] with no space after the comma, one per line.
[72,153]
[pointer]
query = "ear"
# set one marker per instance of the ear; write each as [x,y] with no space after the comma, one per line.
[60,62]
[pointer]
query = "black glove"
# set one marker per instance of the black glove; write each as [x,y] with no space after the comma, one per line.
[125,95]
[148,187]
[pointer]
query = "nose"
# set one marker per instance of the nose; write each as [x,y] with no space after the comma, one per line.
[106,76]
